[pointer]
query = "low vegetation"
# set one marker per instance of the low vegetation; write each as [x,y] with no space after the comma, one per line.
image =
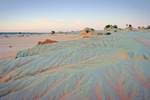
[111,26]
[107,33]
[148,27]
[53,32]
[115,26]
[92,29]
[108,26]
[87,31]
[130,26]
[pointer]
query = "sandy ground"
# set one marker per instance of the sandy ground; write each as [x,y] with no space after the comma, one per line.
[11,45]
[145,41]
[102,68]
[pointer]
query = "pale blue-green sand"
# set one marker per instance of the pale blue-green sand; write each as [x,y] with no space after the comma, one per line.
[115,67]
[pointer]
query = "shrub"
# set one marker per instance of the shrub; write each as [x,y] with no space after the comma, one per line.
[108,33]
[87,31]
[130,26]
[100,33]
[107,26]
[92,29]
[148,27]
[115,26]
[53,32]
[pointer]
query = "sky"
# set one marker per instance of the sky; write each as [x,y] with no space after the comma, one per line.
[71,15]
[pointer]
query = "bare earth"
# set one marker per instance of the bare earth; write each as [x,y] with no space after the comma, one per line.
[145,41]
[104,67]
[11,45]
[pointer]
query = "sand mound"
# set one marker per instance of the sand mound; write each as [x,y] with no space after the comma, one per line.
[21,35]
[141,28]
[112,29]
[47,41]
[100,68]
[100,33]
[130,30]
[40,43]
[87,31]
[86,36]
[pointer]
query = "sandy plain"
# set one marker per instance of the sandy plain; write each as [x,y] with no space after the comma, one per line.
[11,45]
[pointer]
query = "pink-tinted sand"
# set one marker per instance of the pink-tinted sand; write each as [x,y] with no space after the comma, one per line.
[145,40]
[11,45]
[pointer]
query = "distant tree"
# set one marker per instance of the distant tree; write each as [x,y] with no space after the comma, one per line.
[87,31]
[148,27]
[130,25]
[115,26]
[108,33]
[126,24]
[53,32]
[92,29]
[19,32]
[107,26]
[139,27]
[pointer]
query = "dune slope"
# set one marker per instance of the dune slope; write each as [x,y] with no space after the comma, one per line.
[102,67]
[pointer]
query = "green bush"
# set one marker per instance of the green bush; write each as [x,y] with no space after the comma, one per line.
[115,26]
[130,26]
[92,29]
[107,33]
[148,27]
[53,32]
[87,31]
[107,26]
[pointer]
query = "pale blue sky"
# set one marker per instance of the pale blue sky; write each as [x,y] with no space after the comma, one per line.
[67,15]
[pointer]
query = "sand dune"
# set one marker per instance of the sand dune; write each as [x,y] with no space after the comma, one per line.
[101,67]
